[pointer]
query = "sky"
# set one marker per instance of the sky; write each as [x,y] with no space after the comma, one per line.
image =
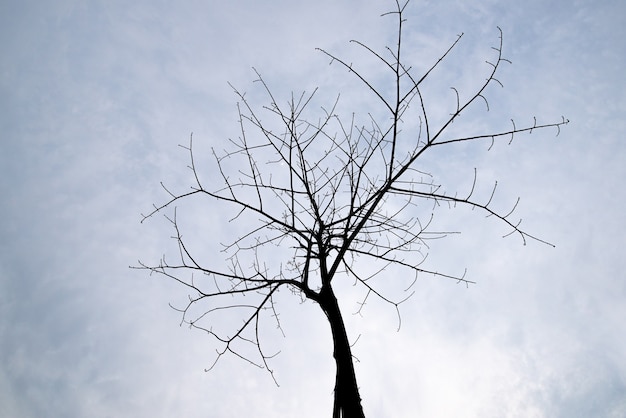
[95,98]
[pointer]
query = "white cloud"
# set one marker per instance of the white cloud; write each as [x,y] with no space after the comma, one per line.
[95,97]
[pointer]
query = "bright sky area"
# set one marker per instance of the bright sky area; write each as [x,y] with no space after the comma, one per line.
[96,96]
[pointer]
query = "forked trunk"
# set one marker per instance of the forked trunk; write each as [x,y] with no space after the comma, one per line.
[347,399]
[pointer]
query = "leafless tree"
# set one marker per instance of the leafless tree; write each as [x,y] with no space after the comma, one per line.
[326,192]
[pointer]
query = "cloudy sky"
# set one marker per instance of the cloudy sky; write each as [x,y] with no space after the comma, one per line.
[95,97]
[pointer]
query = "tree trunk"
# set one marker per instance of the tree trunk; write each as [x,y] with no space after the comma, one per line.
[347,399]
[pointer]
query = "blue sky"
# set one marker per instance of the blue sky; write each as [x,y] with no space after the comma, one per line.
[94,99]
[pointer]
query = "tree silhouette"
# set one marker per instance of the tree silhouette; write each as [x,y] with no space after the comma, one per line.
[323,193]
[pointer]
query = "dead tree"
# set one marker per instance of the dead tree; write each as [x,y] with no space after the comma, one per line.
[325,192]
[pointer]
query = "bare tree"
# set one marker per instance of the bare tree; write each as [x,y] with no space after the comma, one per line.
[325,192]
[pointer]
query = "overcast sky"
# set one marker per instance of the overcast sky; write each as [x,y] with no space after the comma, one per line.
[96,95]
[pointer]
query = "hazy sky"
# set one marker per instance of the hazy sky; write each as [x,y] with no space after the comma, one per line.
[95,97]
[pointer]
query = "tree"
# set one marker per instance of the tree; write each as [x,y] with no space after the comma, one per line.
[324,192]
